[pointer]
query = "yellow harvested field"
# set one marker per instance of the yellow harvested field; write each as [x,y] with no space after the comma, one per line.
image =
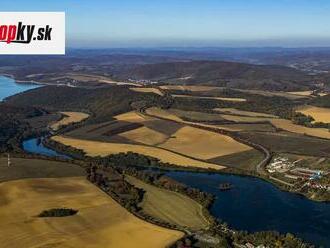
[96,148]
[318,113]
[289,126]
[100,222]
[130,117]
[70,117]
[230,99]
[163,114]
[145,136]
[243,113]
[301,93]
[189,87]
[203,144]
[170,206]
[147,90]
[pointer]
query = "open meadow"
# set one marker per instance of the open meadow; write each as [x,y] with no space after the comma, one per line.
[69,118]
[159,140]
[100,221]
[95,148]
[170,206]
[319,114]
[36,168]
[203,144]
[289,126]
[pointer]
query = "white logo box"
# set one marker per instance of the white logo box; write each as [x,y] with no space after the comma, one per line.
[38,44]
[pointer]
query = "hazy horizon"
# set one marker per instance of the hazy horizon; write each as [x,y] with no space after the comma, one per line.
[194,23]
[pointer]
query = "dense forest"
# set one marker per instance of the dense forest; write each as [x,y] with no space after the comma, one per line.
[102,103]
[13,124]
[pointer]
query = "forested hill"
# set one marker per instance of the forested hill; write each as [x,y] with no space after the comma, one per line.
[100,103]
[12,124]
[238,75]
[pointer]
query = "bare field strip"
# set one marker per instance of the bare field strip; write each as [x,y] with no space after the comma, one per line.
[100,222]
[230,99]
[261,127]
[318,113]
[301,93]
[243,113]
[271,93]
[70,117]
[95,148]
[190,87]
[170,206]
[36,168]
[203,144]
[289,126]
[147,90]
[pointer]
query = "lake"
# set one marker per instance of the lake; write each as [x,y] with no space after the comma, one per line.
[35,146]
[9,87]
[256,205]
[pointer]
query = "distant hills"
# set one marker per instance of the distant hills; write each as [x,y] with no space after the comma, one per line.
[229,74]
[175,67]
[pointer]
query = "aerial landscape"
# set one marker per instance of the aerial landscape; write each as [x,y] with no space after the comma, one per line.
[167,143]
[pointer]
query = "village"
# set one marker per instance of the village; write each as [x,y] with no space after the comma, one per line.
[285,168]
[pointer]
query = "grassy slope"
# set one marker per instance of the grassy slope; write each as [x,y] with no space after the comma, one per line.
[100,222]
[246,160]
[170,206]
[35,168]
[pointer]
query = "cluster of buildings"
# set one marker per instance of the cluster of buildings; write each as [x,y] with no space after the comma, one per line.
[289,169]
[315,185]
[281,165]
[249,245]
[142,81]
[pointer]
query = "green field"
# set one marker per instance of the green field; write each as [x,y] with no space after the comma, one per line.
[285,142]
[35,168]
[196,116]
[170,206]
[246,160]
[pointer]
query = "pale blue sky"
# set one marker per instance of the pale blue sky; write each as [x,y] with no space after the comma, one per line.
[108,23]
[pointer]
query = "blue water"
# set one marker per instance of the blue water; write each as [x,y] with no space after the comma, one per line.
[33,146]
[256,205]
[9,87]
